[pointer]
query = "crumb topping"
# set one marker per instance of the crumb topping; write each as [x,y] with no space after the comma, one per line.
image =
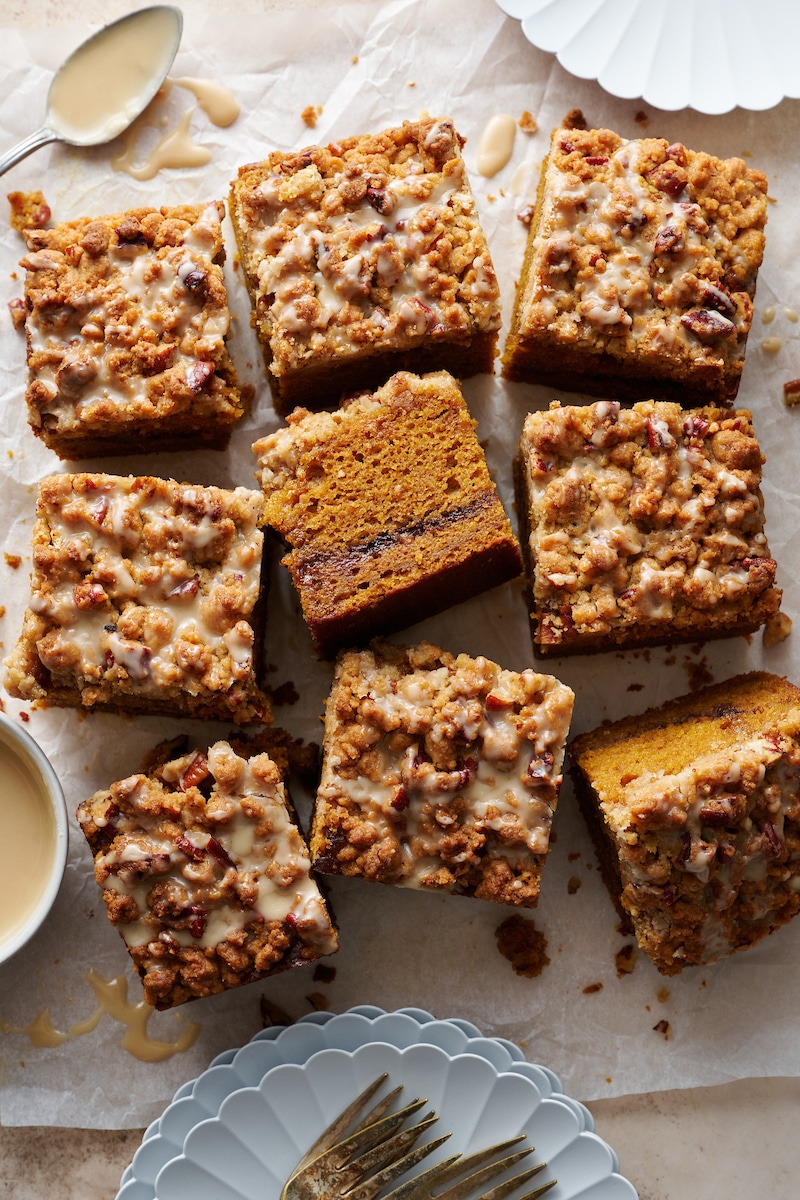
[441,771]
[146,584]
[373,238]
[651,515]
[723,831]
[646,248]
[207,891]
[127,315]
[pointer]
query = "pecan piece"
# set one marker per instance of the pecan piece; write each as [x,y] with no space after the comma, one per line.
[707,324]
[669,240]
[718,297]
[198,374]
[382,200]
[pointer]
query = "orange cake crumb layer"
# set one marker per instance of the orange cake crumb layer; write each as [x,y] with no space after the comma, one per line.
[363,258]
[440,772]
[640,270]
[388,508]
[205,874]
[642,526]
[695,811]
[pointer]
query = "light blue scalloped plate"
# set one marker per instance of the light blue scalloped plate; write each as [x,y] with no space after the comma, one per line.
[304,1058]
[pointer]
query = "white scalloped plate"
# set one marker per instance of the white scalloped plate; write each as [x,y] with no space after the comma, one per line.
[199,1099]
[673,54]
[248,1150]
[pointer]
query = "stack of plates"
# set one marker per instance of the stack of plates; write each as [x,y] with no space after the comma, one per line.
[673,53]
[237,1131]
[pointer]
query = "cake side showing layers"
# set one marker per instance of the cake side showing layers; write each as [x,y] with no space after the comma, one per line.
[363,258]
[642,526]
[440,772]
[695,810]
[127,319]
[144,598]
[206,875]
[388,508]
[640,270]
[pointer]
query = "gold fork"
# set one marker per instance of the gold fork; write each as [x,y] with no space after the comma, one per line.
[378,1151]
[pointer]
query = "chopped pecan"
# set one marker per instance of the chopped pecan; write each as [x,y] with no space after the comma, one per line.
[707,324]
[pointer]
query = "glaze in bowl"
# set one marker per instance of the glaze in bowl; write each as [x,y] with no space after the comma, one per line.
[33,837]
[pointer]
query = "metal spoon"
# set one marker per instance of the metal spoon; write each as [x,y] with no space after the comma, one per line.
[107,82]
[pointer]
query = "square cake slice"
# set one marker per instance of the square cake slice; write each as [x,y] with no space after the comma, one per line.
[144,598]
[694,808]
[363,258]
[388,508]
[640,270]
[127,319]
[440,772]
[206,875]
[642,526]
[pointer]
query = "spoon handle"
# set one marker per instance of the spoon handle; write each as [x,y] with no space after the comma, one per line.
[26,147]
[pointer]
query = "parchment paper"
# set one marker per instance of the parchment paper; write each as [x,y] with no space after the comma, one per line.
[370,66]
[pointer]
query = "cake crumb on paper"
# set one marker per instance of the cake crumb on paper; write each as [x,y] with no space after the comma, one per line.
[663,1027]
[523,945]
[311,114]
[592,988]
[574,119]
[528,123]
[776,630]
[625,960]
[29,210]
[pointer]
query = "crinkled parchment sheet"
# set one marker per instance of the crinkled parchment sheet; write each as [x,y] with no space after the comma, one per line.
[371,66]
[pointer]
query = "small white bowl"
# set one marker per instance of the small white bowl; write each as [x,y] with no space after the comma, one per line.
[39,842]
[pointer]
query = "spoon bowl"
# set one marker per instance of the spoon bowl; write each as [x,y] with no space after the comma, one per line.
[107,81]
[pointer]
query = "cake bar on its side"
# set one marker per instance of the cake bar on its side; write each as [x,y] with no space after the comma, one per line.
[642,526]
[363,258]
[694,808]
[127,320]
[206,875]
[388,508]
[440,772]
[144,598]
[640,271]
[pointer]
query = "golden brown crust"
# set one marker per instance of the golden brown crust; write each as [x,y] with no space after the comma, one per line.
[695,810]
[126,332]
[440,772]
[640,270]
[365,257]
[642,526]
[144,596]
[205,874]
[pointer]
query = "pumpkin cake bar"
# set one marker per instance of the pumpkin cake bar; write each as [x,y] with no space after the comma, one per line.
[642,526]
[694,808]
[640,271]
[388,508]
[144,598]
[205,874]
[365,257]
[127,319]
[440,772]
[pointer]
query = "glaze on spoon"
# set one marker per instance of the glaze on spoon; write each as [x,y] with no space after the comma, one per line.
[107,82]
